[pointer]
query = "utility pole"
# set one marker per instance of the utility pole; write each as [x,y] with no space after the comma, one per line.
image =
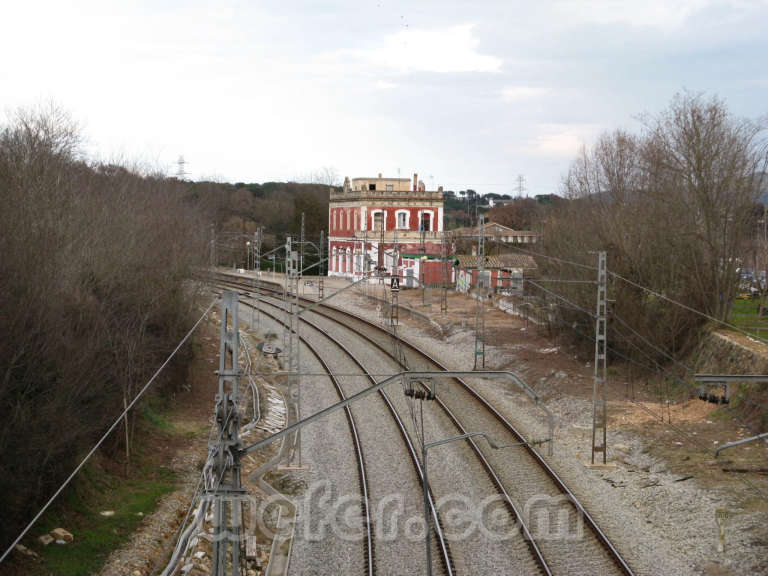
[181,173]
[227,494]
[423,262]
[292,335]
[481,292]
[213,245]
[520,184]
[366,263]
[394,306]
[321,268]
[257,238]
[290,253]
[599,416]
[382,253]
[257,250]
[301,246]
[446,275]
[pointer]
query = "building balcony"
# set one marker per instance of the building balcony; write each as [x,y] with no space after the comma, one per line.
[402,235]
[378,195]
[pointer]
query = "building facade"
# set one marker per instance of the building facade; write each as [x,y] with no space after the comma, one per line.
[369,217]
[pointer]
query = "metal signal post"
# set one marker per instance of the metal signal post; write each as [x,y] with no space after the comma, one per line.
[227,493]
[599,416]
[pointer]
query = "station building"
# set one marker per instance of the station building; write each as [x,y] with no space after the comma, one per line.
[369,216]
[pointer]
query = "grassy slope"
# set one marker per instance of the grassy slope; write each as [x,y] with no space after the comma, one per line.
[96,535]
[744,315]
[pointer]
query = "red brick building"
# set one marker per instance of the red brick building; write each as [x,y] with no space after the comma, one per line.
[369,215]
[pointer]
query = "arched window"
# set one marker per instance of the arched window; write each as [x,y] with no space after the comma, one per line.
[402,219]
[333,258]
[379,220]
[425,220]
[334,221]
[349,261]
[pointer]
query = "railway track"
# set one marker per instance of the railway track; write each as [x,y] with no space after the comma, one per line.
[528,477]
[368,541]
[442,546]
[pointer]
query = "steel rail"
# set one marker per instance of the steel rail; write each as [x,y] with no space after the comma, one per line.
[368,544]
[536,552]
[442,543]
[602,538]
[559,483]
[369,540]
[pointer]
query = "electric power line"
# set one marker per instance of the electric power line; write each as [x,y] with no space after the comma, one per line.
[106,434]
[680,431]
[553,258]
[686,307]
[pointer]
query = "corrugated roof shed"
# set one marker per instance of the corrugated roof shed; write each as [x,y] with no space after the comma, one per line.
[500,261]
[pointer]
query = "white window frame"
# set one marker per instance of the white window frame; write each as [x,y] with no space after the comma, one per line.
[383,219]
[334,262]
[334,220]
[431,219]
[407,219]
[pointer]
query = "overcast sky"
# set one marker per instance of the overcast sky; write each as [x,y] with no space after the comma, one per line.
[467,94]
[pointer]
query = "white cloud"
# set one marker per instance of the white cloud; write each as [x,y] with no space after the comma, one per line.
[659,14]
[517,93]
[385,85]
[559,139]
[442,50]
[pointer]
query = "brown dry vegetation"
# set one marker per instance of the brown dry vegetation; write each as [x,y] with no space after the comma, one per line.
[674,209]
[91,299]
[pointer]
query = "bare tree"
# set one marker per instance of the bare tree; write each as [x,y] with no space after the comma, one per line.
[673,208]
[92,295]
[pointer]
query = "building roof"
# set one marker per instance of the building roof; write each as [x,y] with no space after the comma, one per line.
[500,261]
[375,178]
[491,229]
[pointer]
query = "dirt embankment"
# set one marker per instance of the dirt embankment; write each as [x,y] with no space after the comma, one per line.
[731,353]
[725,352]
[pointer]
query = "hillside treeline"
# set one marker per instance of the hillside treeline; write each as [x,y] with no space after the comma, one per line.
[237,210]
[93,259]
[674,208]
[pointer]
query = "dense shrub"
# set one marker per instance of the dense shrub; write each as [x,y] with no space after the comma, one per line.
[92,263]
[674,209]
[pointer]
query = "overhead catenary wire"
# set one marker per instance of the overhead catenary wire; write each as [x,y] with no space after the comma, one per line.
[686,307]
[645,340]
[107,433]
[553,258]
[564,299]
[668,356]
[667,374]
[687,368]
[677,429]
[565,281]
[644,288]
